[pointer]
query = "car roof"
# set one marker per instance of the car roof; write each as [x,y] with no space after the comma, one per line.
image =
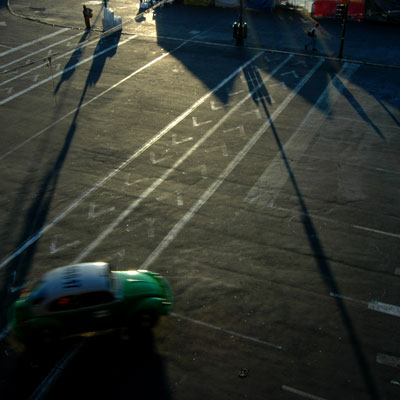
[76,279]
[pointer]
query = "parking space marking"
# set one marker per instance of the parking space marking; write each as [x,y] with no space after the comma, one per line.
[372,305]
[168,172]
[37,235]
[227,331]
[231,166]
[301,393]
[22,46]
[267,188]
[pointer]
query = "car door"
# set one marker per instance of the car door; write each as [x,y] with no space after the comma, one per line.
[97,311]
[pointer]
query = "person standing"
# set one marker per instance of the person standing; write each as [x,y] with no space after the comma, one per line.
[87,14]
[313,37]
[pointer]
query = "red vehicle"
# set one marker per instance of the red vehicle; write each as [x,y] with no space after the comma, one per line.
[327,8]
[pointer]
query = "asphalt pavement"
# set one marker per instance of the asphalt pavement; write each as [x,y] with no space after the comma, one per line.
[263,184]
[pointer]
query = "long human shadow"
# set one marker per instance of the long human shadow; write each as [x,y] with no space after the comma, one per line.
[70,66]
[357,106]
[391,115]
[316,245]
[35,218]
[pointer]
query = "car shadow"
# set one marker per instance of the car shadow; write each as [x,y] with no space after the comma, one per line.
[115,366]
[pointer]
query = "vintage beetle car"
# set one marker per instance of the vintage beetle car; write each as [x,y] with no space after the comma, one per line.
[89,297]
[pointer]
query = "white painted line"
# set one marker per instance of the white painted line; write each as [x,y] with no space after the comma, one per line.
[384,308]
[339,296]
[232,165]
[334,221]
[39,51]
[93,99]
[22,46]
[389,360]
[37,235]
[50,78]
[227,331]
[166,174]
[301,393]
[372,305]
[269,185]
[55,58]
[396,235]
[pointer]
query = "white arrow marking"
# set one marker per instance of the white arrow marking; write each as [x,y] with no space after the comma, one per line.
[54,249]
[215,107]
[239,128]
[222,147]
[268,97]
[129,183]
[3,23]
[234,93]
[179,200]
[119,255]
[92,214]
[196,124]
[203,170]
[176,141]
[8,90]
[290,73]
[256,111]
[155,160]
[150,229]
[244,80]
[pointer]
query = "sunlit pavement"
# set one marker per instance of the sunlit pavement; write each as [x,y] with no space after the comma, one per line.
[281,30]
[285,278]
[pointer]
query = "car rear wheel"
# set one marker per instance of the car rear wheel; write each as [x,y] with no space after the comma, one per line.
[146,319]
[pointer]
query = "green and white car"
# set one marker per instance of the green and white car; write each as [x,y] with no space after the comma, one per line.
[89,297]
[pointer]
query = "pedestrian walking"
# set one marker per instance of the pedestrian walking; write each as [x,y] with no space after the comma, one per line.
[87,14]
[312,34]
